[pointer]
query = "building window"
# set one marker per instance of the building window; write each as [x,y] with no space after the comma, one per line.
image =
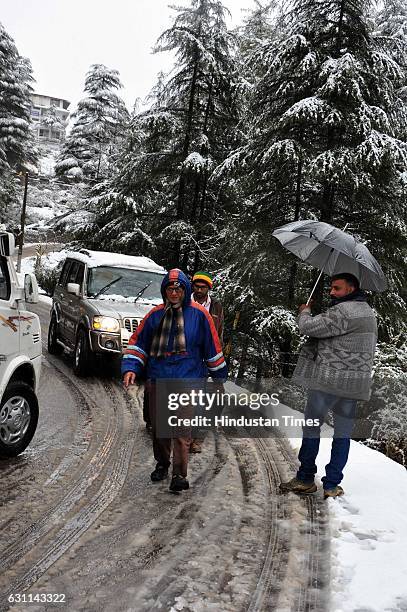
[56,134]
[44,133]
[54,102]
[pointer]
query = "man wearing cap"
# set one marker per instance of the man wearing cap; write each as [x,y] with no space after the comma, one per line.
[202,283]
[176,341]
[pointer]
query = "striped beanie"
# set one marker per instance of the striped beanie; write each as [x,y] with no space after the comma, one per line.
[205,277]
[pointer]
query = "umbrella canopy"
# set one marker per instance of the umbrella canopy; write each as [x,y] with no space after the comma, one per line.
[332,251]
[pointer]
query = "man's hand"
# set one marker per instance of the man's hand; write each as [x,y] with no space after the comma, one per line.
[304,306]
[129,378]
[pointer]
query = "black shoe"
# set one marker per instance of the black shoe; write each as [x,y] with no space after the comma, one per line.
[179,483]
[159,473]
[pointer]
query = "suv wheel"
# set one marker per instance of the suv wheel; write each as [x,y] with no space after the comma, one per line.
[54,348]
[83,356]
[18,418]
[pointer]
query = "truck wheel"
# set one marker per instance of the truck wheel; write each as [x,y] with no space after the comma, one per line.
[83,356]
[54,348]
[18,419]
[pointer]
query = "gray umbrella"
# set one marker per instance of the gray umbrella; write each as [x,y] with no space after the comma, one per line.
[332,251]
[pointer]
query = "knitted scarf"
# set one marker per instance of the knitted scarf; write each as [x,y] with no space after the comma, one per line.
[356,296]
[159,345]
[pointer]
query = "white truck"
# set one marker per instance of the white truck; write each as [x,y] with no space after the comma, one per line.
[20,354]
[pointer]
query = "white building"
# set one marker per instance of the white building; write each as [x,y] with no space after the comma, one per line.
[50,118]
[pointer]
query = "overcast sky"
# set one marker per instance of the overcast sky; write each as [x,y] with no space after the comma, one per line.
[62,38]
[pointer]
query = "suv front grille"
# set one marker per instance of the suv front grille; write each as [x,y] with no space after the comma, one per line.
[131,324]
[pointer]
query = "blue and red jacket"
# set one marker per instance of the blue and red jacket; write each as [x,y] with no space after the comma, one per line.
[203,356]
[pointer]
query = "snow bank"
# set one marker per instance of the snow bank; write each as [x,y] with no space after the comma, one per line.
[368,532]
[368,527]
[45,299]
[51,260]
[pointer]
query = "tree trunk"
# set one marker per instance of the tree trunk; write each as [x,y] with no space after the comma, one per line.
[205,178]
[326,215]
[259,375]
[201,219]
[294,266]
[285,357]
[187,137]
[340,28]
[185,151]
[243,359]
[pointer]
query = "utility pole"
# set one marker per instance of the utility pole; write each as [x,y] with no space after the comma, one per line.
[21,236]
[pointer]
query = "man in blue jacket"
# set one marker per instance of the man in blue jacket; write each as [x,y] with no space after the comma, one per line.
[176,340]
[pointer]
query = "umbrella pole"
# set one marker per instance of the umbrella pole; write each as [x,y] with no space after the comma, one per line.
[315,286]
[319,277]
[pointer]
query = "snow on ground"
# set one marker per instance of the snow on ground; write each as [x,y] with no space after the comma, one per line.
[44,205]
[41,213]
[51,260]
[47,162]
[45,299]
[368,526]
[368,531]
[75,220]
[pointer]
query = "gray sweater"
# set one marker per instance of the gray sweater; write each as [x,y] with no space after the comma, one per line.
[338,356]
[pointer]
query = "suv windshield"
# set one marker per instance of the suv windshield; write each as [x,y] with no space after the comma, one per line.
[113,283]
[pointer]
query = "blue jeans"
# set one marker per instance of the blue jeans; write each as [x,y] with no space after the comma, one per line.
[344,412]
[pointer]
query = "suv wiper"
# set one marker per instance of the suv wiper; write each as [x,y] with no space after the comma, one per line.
[106,287]
[140,293]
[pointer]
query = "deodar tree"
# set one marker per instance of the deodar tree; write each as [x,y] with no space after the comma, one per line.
[16,140]
[90,147]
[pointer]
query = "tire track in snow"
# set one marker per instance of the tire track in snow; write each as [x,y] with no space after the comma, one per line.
[109,452]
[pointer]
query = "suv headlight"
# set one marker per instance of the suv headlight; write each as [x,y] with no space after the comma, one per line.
[108,324]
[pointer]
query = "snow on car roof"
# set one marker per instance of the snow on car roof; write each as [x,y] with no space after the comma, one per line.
[104,258]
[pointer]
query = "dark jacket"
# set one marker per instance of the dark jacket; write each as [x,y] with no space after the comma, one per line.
[216,312]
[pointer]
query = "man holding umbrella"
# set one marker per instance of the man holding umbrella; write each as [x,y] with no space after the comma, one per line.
[335,364]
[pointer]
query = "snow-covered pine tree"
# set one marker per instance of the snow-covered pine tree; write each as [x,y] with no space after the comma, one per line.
[165,173]
[15,89]
[325,141]
[53,119]
[16,139]
[133,205]
[260,26]
[97,131]
[202,95]
[390,23]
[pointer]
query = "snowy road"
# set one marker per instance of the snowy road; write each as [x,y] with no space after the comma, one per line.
[80,516]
